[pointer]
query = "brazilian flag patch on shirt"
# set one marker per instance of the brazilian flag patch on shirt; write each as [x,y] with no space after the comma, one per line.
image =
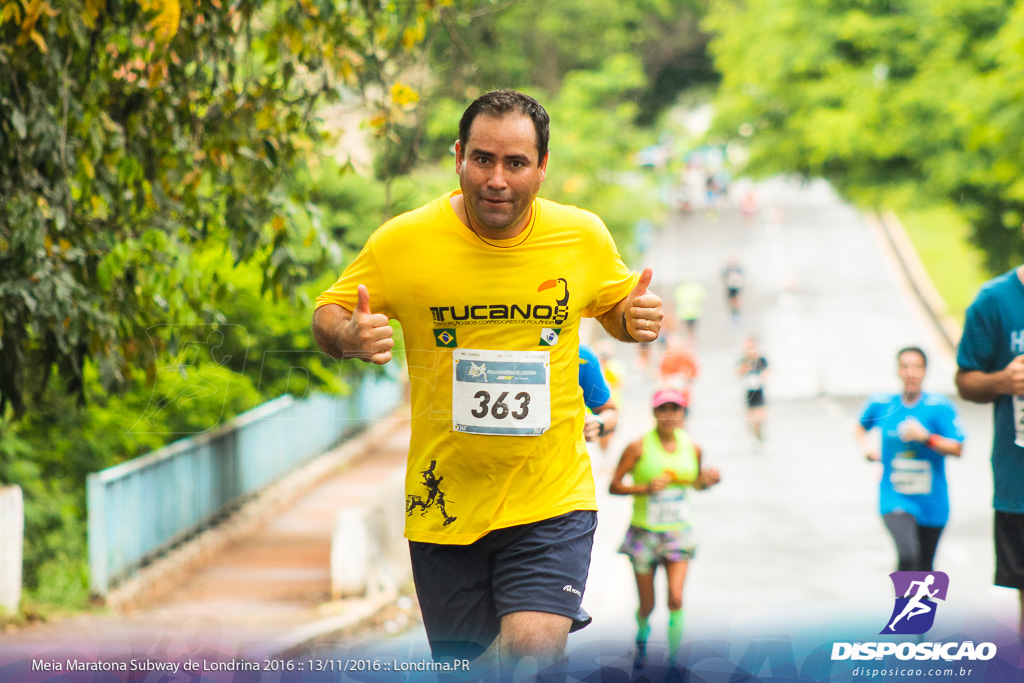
[445,338]
[549,337]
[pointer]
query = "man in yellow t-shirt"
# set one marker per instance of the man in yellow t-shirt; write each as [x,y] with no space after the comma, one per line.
[490,283]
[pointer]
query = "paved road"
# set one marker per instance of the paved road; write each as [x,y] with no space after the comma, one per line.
[791,539]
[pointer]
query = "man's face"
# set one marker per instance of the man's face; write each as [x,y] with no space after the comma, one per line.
[911,371]
[499,172]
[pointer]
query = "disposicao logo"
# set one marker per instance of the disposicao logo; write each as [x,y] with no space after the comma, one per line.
[913,613]
[916,593]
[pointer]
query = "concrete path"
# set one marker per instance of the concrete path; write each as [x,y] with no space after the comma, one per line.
[264,593]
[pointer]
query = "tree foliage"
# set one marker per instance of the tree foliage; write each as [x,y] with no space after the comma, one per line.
[881,95]
[535,44]
[157,256]
[132,132]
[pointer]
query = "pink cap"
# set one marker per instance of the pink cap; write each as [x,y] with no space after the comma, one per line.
[668,396]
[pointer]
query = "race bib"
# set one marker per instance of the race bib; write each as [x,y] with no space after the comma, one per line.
[502,393]
[667,506]
[911,477]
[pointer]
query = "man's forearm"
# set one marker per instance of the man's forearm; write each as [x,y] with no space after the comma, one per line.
[328,322]
[980,387]
[614,323]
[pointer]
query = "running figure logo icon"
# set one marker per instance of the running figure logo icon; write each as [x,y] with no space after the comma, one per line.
[435,496]
[916,593]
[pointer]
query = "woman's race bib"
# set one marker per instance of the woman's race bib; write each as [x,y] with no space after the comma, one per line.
[667,506]
[911,477]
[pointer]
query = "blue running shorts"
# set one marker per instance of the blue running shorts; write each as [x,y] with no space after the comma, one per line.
[464,590]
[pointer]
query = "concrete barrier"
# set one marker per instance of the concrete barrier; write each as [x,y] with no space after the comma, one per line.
[369,554]
[12,534]
[143,508]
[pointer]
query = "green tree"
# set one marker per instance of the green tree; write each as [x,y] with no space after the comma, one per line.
[594,143]
[535,44]
[916,97]
[157,258]
[133,132]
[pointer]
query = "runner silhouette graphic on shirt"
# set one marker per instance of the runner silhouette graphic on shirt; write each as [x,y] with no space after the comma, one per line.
[434,495]
[916,604]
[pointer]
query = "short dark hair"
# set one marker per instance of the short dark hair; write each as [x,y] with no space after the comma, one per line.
[913,349]
[499,103]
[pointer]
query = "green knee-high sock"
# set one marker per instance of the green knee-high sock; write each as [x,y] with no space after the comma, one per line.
[643,628]
[675,629]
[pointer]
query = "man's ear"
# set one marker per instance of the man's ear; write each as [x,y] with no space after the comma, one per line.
[459,160]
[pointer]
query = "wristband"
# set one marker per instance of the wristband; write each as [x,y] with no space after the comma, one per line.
[932,440]
[600,425]
[626,329]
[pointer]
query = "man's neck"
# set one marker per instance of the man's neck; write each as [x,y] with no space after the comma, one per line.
[458,202]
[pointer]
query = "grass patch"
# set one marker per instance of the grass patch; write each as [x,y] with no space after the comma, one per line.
[941,237]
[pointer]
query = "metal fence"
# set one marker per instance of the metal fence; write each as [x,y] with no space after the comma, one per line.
[12,533]
[144,506]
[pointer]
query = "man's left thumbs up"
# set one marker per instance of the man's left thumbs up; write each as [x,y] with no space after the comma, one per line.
[642,315]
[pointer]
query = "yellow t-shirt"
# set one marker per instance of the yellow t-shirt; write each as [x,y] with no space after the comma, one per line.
[451,292]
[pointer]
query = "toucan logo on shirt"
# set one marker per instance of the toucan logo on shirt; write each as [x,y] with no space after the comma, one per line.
[476,314]
[562,303]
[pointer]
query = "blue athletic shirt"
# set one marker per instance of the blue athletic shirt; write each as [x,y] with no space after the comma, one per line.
[913,475]
[595,389]
[993,336]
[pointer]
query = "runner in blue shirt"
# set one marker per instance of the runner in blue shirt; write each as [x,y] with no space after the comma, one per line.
[918,430]
[990,369]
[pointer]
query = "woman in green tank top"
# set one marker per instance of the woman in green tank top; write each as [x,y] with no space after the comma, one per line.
[664,465]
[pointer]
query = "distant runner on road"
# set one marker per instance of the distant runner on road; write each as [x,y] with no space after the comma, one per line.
[733,279]
[990,369]
[918,430]
[753,370]
[663,465]
[678,369]
[689,299]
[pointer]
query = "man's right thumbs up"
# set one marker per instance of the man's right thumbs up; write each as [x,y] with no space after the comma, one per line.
[369,335]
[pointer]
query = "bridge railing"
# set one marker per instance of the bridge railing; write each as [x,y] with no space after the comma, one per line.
[147,505]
